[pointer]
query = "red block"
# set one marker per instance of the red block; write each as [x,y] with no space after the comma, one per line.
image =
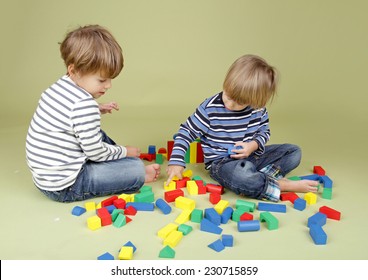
[170,196]
[148,157]
[182,183]
[162,151]
[200,157]
[119,203]
[170,145]
[319,170]
[215,198]
[130,211]
[330,213]
[201,188]
[212,188]
[108,201]
[290,196]
[246,217]
[105,216]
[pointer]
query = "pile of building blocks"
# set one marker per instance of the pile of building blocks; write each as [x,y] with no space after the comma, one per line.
[118,211]
[194,153]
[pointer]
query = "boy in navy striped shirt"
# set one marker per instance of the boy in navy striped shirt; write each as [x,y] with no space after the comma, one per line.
[236,120]
[69,156]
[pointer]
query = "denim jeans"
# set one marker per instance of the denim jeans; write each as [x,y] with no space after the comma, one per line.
[245,176]
[95,179]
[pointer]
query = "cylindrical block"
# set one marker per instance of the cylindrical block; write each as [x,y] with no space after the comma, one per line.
[253,225]
[163,206]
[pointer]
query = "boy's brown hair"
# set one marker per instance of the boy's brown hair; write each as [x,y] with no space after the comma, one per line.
[251,81]
[92,49]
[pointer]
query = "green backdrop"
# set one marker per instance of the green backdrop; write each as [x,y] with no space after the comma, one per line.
[177,53]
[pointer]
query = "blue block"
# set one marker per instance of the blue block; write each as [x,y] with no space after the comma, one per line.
[327,182]
[227,240]
[252,225]
[318,235]
[208,226]
[314,177]
[163,206]
[217,245]
[300,204]
[229,152]
[105,257]
[262,206]
[318,218]
[110,208]
[77,210]
[226,215]
[151,149]
[141,206]
[130,244]
[212,215]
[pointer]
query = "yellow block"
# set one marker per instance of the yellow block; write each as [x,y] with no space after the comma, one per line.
[173,238]
[310,198]
[192,187]
[188,173]
[183,217]
[221,205]
[166,230]
[94,222]
[193,152]
[90,206]
[126,197]
[170,187]
[184,203]
[126,253]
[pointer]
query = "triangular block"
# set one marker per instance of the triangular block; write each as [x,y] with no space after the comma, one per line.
[167,252]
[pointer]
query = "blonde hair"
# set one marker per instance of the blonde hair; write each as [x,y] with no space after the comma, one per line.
[251,81]
[92,49]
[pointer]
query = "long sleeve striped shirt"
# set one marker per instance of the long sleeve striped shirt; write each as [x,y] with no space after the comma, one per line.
[218,129]
[64,133]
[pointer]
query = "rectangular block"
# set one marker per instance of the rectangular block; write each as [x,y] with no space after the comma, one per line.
[262,206]
[184,203]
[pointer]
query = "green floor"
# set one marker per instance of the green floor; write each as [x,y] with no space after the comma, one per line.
[34,227]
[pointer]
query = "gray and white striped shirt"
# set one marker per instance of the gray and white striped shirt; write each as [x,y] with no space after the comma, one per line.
[64,133]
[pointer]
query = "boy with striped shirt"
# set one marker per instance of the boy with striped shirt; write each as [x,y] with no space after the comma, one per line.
[68,154]
[236,119]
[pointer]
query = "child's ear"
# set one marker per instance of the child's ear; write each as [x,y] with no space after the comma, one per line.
[71,70]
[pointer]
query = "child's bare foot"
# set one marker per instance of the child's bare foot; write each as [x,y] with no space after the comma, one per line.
[302,186]
[152,172]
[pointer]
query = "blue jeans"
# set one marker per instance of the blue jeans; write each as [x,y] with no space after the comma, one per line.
[126,175]
[245,176]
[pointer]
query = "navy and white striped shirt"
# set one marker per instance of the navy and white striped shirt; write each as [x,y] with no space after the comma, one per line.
[64,133]
[218,129]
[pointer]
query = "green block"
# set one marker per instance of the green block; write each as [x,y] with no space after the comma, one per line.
[196,216]
[115,213]
[238,212]
[187,156]
[197,178]
[250,205]
[159,158]
[327,193]
[185,229]
[294,178]
[167,252]
[120,221]
[271,220]
[146,196]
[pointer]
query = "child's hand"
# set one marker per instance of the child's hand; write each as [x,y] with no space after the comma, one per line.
[108,107]
[133,151]
[174,170]
[244,149]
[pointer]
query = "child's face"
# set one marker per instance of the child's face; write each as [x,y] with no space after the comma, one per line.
[94,84]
